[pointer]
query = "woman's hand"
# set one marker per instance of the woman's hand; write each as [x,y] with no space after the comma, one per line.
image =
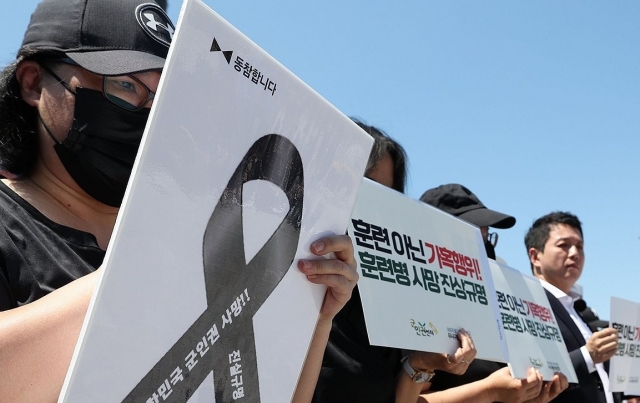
[551,389]
[510,390]
[456,363]
[339,274]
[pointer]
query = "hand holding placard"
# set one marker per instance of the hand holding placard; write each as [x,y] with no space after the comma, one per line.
[506,388]
[456,363]
[339,275]
[551,389]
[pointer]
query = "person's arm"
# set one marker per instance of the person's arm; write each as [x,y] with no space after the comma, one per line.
[500,386]
[340,277]
[408,391]
[37,341]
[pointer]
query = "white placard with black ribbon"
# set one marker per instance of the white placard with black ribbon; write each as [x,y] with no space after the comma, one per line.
[241,168]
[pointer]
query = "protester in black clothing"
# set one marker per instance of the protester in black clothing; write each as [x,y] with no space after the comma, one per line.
[352,369]
[355,371]
[73,107]
[459,201]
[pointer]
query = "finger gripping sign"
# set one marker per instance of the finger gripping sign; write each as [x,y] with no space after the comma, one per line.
[230,281]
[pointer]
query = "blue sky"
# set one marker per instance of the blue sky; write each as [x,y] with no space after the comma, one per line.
[535,106]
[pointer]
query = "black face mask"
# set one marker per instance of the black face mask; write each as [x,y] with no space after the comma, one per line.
[101,147]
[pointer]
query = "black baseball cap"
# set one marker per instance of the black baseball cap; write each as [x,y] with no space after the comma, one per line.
[459,201]
[106,37]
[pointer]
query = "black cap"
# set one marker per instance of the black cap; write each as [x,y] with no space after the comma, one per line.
[107,37]
[459,201]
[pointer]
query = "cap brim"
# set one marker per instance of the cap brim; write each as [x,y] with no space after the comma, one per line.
[117,62]
[483,217]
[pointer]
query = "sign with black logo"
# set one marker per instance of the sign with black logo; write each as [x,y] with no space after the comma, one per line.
[201,298]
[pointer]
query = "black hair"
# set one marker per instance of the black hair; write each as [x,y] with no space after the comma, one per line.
[385,144]
[538,234]
[18,120]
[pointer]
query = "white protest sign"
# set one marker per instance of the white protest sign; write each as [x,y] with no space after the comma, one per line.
[423,276]
[197,303]
[530,327]
[624,367]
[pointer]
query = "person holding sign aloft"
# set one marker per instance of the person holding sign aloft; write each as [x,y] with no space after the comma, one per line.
[355,371]
[73,108]
[459,201]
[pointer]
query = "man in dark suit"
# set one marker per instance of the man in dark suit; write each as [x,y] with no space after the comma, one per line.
[556,252]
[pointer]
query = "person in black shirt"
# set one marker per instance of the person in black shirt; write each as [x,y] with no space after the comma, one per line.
[355,371]
[459,201]
[352,369]
[73,107]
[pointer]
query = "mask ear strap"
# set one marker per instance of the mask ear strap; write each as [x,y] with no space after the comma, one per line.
[65,85]
[47,129]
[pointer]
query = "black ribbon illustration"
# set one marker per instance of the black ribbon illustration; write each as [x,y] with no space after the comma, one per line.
[227,275]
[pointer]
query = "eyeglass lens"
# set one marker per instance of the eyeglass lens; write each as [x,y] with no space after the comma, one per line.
[127,92]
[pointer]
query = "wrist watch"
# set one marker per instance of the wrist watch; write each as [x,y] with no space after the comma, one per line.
[417,376]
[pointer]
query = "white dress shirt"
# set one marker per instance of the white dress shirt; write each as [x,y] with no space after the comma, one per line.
[567,303]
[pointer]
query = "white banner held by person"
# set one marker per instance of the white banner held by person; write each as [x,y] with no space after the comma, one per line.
[241,168]
[423,276]
[624,367]
[530,327]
